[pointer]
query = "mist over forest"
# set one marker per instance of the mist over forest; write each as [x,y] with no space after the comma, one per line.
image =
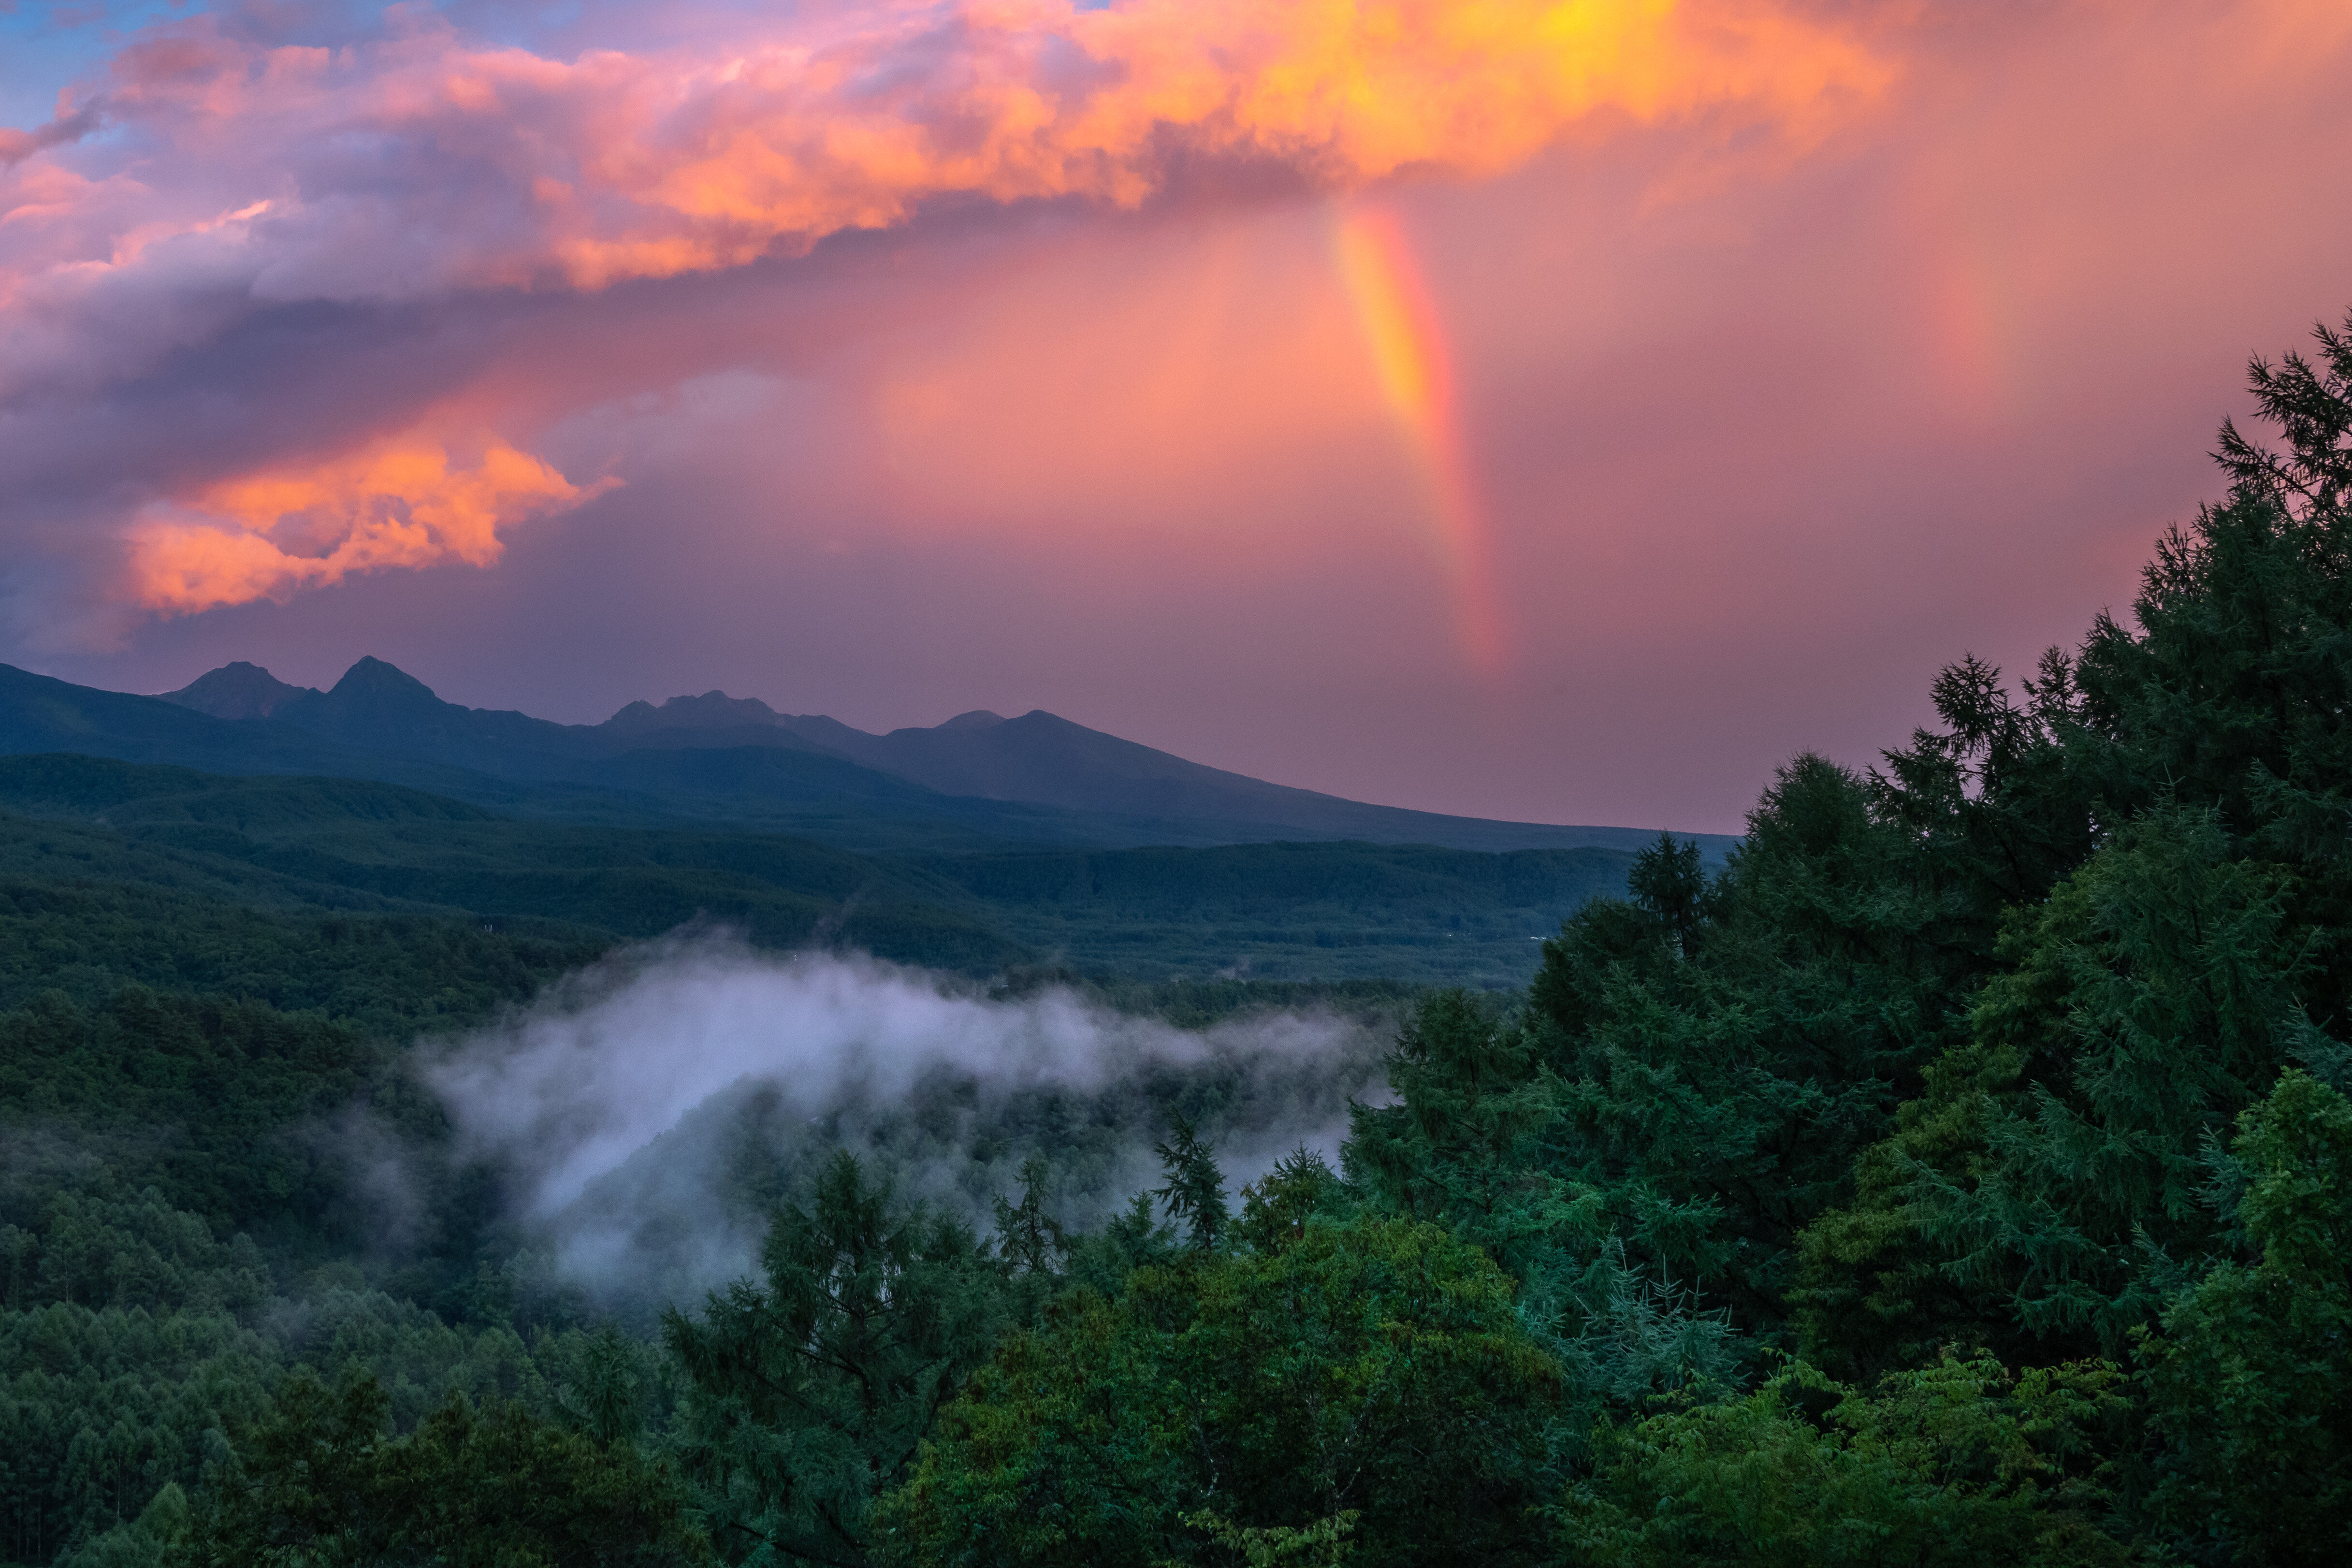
[1957,1170]
[645,1116]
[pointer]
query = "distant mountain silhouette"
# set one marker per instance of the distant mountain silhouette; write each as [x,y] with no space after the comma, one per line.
[827,798]
[39,715]
[237,691]
[383,708]
[380,706]
[715,756]
[711,710]
[1046,760]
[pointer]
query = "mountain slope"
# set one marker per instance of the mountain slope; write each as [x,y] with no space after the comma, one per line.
[1046,760]
[237,691]
[380,707]
[1036,778]
[39,715]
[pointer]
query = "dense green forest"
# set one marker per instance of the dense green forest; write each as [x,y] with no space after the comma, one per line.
[1961,1172]
[78,827]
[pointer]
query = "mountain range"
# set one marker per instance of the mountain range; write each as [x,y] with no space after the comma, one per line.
[981,844]
[977,781]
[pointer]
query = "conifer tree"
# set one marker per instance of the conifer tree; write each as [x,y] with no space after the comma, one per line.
[1028,1239]
[1196,1192]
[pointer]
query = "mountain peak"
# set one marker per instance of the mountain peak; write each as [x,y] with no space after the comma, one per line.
[237,689]
[978,719]
[712,710]
[373,678]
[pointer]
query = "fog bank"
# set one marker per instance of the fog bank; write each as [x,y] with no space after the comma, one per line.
[648,1111]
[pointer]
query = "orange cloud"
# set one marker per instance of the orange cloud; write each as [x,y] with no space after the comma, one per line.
[402,502]
[1044,100]
[619,166]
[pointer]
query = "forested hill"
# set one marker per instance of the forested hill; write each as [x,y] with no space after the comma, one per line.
[288,844]
[1960,1172]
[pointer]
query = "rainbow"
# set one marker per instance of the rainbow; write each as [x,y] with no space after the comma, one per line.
[1416,379]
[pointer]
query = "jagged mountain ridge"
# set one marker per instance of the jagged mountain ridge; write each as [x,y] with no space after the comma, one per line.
[1038,759]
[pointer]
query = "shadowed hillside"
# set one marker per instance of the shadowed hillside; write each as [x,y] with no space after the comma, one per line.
[1093,788]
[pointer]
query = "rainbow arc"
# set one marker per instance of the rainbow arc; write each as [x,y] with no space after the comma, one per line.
[1415,372]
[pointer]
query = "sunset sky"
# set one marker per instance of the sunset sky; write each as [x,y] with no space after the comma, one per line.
[1553,411]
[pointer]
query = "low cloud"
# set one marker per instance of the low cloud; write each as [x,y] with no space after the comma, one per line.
[648,1111]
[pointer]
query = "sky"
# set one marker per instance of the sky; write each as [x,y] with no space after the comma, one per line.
[1558,410]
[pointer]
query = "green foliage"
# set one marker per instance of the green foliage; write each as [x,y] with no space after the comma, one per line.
[101,1409]
[1376,1369]
[385,973]
[1196,1192]
[132,1339]
[2235,693]
[2313,409]
[1688,1085]
[1278,1206]
[2249,1375]
[1998,804]
[1134,1239]
[1470,1145]
[144,1541]
[1960,1463]
[84,1248]
[2056,1174]
[1667,883]
[320,1481]
[205,1098]
[115,831]
[1263,1546]
[2170,813]
[1029,1241]
[1717,1056]
[807,1397]
[1457,1147]
[1197,1004]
